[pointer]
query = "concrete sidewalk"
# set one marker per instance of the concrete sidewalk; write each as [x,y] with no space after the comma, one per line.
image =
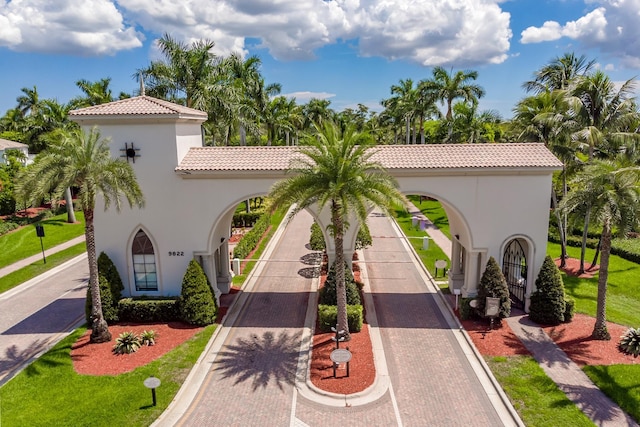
[35,258]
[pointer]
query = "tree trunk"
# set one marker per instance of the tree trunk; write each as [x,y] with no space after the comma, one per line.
[561,230]
[243,136]
[595,257]
[341,290]
[407,130]
[585,232]
[600,331]
[71,215]
[99,328]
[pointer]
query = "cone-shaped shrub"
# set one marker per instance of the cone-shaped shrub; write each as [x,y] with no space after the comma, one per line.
[110,272]
[548,304]
[328,295]
[197,305]
[493,284]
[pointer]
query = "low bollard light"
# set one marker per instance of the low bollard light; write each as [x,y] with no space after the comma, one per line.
[152,383]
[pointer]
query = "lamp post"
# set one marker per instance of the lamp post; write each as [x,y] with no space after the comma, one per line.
[152,383]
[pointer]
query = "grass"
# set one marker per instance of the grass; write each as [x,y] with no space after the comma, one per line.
[276,219]
[23,242]
[49,392]
[18,277]
[536,398]
[433,210]
[623,299]
[415,237]
[621,383]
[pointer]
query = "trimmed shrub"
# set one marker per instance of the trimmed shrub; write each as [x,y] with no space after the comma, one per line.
[630,342]
[6,227]
[250,240]
[493,284]
[107,268]
[317,243]
[466,311]
[196,303]
[147,310]
[548,305]
[569,311]
[363,239]
[328,293]
[245,219]
[109,306]
[328,317]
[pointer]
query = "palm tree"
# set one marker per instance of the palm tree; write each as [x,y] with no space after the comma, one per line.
[560,73]
[405,103]
[28,102]
[83,160]
[612,192]
[335,171]
[447,87]
[95,93]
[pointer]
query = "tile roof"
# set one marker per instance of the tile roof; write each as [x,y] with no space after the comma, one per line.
[5,143]
[138,106]
[396,157]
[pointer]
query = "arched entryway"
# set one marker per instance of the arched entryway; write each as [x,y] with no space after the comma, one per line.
[515,269]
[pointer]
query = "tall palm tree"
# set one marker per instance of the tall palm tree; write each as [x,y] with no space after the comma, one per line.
[559,73]
[317,112]
[29,101]
[95,93]
[405,102]
[335,171]
[612,191]
[83,160]
[447,87]
[183,76]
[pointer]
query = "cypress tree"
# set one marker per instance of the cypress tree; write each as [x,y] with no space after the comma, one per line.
[197,305]
[493,284]
[548,304]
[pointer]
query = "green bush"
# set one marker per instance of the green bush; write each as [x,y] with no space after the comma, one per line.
[109,306]
[569,311]
[328,317]
[466,312]
[7,226]
[126,343]
[148,310]
[630,342]
[148,337]
[493,284]
[628,249]
[107,268]
[548,305]
[317,243]
[328,294]
[197,304]
[250,240]
[245,219]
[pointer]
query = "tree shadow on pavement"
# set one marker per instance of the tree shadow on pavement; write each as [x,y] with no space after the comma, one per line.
[262,360]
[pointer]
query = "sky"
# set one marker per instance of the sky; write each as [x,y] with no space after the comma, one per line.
[347,51]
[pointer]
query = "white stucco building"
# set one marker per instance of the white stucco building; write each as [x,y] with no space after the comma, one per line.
[6,145]
[496,197]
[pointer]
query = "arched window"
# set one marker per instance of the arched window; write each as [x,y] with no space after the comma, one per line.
[144,263]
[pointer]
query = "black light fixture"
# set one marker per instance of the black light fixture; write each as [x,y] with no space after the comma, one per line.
[130,152]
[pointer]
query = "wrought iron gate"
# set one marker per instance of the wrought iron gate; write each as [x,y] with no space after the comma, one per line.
[514,268]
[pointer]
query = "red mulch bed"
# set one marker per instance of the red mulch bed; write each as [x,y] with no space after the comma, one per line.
[572,267]
[99,359]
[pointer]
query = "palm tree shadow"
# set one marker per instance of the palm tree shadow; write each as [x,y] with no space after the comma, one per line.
[263,360]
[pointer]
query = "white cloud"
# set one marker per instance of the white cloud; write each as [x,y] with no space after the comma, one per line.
[306,96]
[80,27]
[428,32]
[612,27]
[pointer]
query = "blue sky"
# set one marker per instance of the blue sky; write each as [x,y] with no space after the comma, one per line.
[347,51]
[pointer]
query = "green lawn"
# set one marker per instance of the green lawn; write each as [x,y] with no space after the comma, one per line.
[415,236]
[623,298]
[29,272]
[23,243]
[621,383]
[536,398]
[50,393]
[433,210]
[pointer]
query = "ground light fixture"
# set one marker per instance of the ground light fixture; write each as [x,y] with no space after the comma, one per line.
[152,383]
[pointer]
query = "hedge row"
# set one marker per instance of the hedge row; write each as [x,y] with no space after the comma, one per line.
[250,240]
[6,227]
[619,247]
[245,219]
[148,310]
[328,317]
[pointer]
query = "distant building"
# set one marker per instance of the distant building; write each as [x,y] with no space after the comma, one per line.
[6,145]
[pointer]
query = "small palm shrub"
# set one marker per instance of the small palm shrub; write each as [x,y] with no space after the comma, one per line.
[148,337]
[126,343]
[328,294]
[630,342]
[548,306]
[197,304]
[493,284]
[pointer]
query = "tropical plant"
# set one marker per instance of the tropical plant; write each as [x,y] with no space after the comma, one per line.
[494,285]
[334,171]
[548,304]
[127,343]
[559,73]
[197,305]
[328,293]
[83,160]
[447,87]
[630,342]
[612,193]
[148,337]
[95,93]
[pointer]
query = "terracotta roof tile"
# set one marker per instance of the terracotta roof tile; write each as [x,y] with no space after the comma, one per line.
[399,157]
[138,106]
